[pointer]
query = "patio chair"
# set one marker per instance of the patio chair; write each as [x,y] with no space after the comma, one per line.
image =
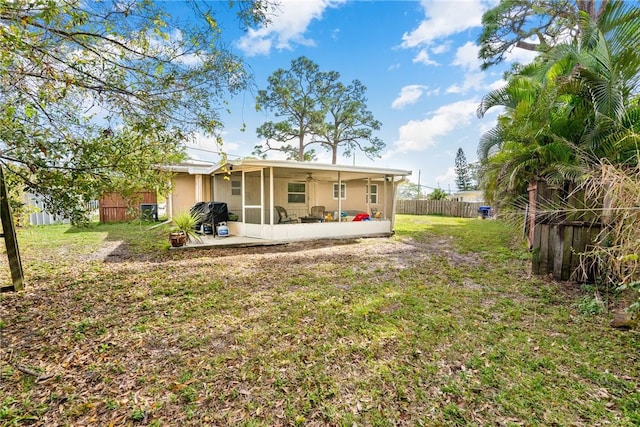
[283,216]
[317,212]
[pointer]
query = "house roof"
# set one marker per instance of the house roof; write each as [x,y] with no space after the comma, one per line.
[321,171]
[192,167]
[468,192]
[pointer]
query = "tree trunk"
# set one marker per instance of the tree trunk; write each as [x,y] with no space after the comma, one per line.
[10,239]
[301,147]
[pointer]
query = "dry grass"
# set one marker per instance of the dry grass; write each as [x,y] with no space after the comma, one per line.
[617,250]
[440,325]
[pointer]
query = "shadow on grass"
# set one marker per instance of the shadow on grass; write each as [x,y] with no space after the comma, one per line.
[148,241]
[118,241]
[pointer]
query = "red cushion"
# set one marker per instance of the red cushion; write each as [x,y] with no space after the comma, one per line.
[361,217]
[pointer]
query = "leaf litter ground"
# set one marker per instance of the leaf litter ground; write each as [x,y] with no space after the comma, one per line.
[440,325]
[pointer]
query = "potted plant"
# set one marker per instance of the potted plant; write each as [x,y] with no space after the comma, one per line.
[183,230]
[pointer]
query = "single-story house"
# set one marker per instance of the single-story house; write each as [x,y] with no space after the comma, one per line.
[288,200]
[473,196]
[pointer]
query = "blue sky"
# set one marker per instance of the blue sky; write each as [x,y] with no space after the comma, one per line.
[418,60]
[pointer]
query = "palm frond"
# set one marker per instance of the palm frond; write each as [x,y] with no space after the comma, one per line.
[490,142]
[497,97]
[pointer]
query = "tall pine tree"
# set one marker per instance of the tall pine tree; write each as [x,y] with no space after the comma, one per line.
[463,178]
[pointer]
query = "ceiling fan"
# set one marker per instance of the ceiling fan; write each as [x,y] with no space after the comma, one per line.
[310,177]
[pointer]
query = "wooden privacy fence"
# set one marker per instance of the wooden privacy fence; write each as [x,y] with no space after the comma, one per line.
[561,229]
[438,207]
[558,249]
[115,208]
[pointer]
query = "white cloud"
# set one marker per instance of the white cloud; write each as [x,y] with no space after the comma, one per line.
[93,109]
[417,135]
[206,147]
[486,127]
[440,49]
[287,27]
[496,85]
[442,19]
[467,57]
[254,44]
[172,47]
[473,80]
[423,56]
[446,178]
[408,95]
[522,56]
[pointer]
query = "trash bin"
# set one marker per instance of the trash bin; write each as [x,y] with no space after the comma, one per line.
[484,211]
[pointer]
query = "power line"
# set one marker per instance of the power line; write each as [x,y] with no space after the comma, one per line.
[220,153]
[429,187]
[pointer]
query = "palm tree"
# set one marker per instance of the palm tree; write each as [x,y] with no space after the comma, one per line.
[576,105]
[532,141]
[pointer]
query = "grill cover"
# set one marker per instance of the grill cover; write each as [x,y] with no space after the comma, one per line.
[210,213]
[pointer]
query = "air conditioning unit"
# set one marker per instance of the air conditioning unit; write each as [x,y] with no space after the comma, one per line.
[149,211]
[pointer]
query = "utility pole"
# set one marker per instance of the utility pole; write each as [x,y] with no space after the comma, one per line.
[418,195]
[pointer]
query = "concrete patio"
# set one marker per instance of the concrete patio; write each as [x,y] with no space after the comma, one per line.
[208,241]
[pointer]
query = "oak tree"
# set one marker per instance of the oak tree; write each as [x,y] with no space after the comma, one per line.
[94,95]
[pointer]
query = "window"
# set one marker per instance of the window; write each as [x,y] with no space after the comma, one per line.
[236,188]
[296,192]
[343,191]
[372,193]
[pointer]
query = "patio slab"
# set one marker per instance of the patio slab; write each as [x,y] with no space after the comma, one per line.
[210,241]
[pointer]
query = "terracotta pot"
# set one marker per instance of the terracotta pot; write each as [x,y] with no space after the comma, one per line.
[178,239]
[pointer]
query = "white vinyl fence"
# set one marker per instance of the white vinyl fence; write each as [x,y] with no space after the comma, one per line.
[41,217]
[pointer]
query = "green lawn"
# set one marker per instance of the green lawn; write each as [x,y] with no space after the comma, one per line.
[439,325]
